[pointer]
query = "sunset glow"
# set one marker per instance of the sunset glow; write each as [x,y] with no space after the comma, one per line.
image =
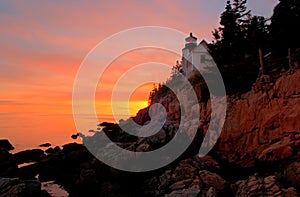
[43,44]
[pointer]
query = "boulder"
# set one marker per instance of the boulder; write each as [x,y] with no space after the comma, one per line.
[210,179]
[4,155]
[193,191]
[45,145]
[142,116]
[258,186]
[87,176]
[292,174]
[75,136]
[290,192]
[72,147]
[53,150]
[4,143]
[262,123]
[28,155]
[180,184]
[8,168]
[16,187]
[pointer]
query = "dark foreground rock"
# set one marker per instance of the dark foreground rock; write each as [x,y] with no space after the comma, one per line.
[53,150]
[28,155]
[8,167]
[81,174]
[4,143]
[45,145]
[10,187]
[292,174]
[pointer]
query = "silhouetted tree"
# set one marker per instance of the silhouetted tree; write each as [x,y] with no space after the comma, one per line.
[257,36]
[285,27]
[235,40]
[240,9]
[177,68]
[216,34]
[229,29]
[230,38]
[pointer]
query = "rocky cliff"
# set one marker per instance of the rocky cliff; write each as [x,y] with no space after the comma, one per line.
[262,124]
[259,145]
[257,153]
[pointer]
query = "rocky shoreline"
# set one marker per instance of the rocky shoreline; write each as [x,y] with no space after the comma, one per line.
[81,174]
[257,153]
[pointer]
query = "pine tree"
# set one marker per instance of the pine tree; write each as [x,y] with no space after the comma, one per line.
[231,36]
[243,15]
[229,29]
[257,36]
[285,27]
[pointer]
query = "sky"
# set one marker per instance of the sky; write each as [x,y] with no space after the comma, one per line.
[43,43]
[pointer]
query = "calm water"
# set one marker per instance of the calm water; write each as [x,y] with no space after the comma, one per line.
[29,130]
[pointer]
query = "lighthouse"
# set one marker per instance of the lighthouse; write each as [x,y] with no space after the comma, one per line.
[195,56]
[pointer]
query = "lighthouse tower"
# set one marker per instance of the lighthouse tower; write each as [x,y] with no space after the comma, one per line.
[195,56]
[190,44]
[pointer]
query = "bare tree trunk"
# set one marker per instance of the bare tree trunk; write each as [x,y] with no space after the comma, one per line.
[261,61]
[291,57]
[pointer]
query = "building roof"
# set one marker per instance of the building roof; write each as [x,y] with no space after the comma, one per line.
[205,45]
[191,36]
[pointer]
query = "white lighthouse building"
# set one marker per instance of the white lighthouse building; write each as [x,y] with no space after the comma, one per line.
[195,56]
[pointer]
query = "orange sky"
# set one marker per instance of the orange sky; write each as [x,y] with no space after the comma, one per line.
[127,61]
[42,45]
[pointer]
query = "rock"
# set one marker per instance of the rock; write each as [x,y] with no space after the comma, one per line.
[75,136]
[277,151]
[180,184]
[142,116]
[7,183]
[290,192]
[53,150]
[4,155]
[210,163]
[54,166]
[57,149]
[29,155]
[8,167]
[260,131]
[87,176]
[29,171]
[258,186]
[107,124]
[158,138]
[45,145]
[33,187]
[189,192]
[16,187]
[72,147]
[143,148]
[164,180]
[211,192]
[87,184]
[292,174]
[4,143]
[214,180]
[256,121]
